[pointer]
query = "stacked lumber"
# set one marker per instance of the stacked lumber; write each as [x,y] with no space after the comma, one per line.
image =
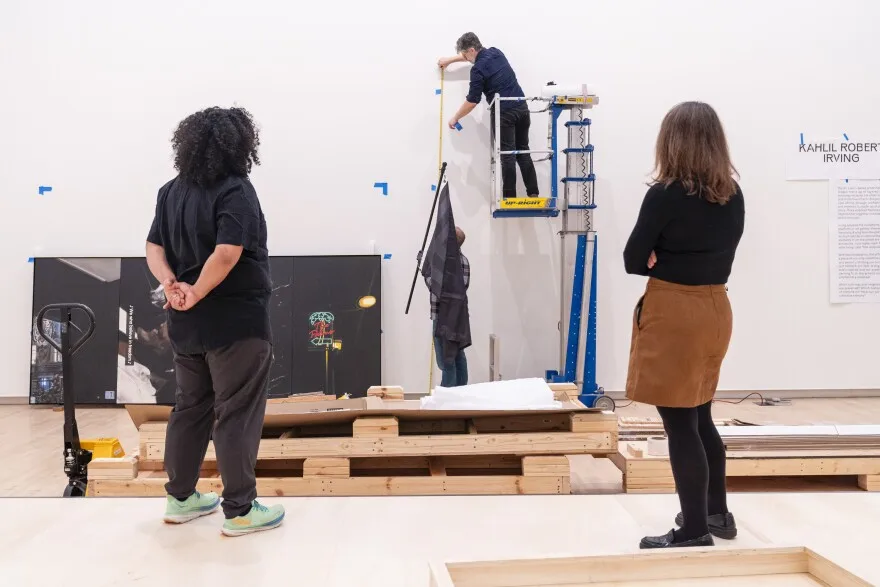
[644,473]
[369,447]
[632,428]
[856,439]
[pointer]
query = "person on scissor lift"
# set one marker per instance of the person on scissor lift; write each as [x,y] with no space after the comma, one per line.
[492,75]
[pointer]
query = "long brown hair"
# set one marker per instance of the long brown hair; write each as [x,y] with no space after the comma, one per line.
[692,149]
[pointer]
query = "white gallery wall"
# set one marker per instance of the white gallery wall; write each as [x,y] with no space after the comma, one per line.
[345,96]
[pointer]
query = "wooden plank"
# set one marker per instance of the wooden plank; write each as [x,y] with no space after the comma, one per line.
[593,422]
[831,574]
[616,569]
[524,423]
[388,392]
[351,486]
[548,443]
[375,427]
[122,468]
[555,466]
[869,482]
[792,467]
[326,467]
[419,427]
[635,451]
[302,397]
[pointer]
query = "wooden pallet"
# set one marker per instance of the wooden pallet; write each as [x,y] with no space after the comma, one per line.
[339,448]
[643,473]
[369,436]
[783,567]
[342,476]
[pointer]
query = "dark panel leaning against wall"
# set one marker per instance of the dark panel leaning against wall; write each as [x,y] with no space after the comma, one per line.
[95,283]
[337,324]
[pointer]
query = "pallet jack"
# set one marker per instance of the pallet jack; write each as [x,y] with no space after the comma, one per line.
[76,458]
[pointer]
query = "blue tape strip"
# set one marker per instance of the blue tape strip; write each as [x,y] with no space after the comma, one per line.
[386,256]
[383,186]
[845,137]
[44,188]
[457,126]
[802,138]
[433,188]
[438,91]
[30,259]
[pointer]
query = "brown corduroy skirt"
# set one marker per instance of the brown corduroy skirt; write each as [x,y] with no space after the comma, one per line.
[680,337]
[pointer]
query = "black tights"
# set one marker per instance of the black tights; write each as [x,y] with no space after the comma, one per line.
[696,453]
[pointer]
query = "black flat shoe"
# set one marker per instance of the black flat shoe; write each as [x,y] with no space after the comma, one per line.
[721,525]
[667,541]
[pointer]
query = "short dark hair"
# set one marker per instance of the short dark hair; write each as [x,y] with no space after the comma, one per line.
[468,41]
[215,143]
[459,236]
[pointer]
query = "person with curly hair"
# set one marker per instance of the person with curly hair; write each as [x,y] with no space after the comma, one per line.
[207,246]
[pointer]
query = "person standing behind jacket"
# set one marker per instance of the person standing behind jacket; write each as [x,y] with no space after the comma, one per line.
[207,246]
[685,240]
[455,372]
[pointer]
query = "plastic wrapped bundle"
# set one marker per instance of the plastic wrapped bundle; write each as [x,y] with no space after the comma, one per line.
[517,394]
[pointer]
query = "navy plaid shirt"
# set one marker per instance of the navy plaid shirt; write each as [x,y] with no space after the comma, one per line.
[466,272]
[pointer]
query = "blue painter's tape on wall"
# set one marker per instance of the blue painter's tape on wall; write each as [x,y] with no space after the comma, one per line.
[386,256]
[845,137]
[457,126]
[30,259]
[438,91]
[433,188]
[44,188]
[383,186]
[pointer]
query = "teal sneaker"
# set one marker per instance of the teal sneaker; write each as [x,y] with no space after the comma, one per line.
[195,506]
[258,519]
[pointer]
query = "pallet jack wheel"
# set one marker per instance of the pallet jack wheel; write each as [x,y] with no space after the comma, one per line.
[604,403]
[75,489]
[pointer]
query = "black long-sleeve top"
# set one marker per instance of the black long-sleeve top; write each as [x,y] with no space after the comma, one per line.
[695,240]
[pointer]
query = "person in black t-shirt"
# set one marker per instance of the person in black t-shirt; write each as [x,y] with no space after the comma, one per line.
[491,74]
[207,247]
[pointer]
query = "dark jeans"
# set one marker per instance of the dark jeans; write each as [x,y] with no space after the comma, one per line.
[697,456]
[454,373]
[225,391]
[515,124]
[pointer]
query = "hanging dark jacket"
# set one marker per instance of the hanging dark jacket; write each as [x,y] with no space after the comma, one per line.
[444,276]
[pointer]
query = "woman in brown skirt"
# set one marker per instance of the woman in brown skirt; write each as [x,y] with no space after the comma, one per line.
[684,240]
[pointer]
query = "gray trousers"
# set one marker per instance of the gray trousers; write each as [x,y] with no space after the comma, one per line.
[224,390]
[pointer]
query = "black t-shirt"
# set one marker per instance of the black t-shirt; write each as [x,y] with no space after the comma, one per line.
[190,222]
[695,240]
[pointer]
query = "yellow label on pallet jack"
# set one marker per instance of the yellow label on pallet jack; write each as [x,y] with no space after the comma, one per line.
[103,448]
[523,203]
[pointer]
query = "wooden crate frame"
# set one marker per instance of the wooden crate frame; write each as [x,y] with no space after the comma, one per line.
[649,474]
[341,476]
[636,569]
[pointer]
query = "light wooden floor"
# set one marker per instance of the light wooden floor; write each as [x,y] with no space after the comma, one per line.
[384,541]
[31,439]
[388,541]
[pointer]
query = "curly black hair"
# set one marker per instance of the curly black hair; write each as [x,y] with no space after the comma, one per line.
[215,143]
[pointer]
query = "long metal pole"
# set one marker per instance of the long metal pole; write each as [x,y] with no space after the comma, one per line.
[425,240]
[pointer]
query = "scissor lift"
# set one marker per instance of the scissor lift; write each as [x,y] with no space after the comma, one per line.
[578,180]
